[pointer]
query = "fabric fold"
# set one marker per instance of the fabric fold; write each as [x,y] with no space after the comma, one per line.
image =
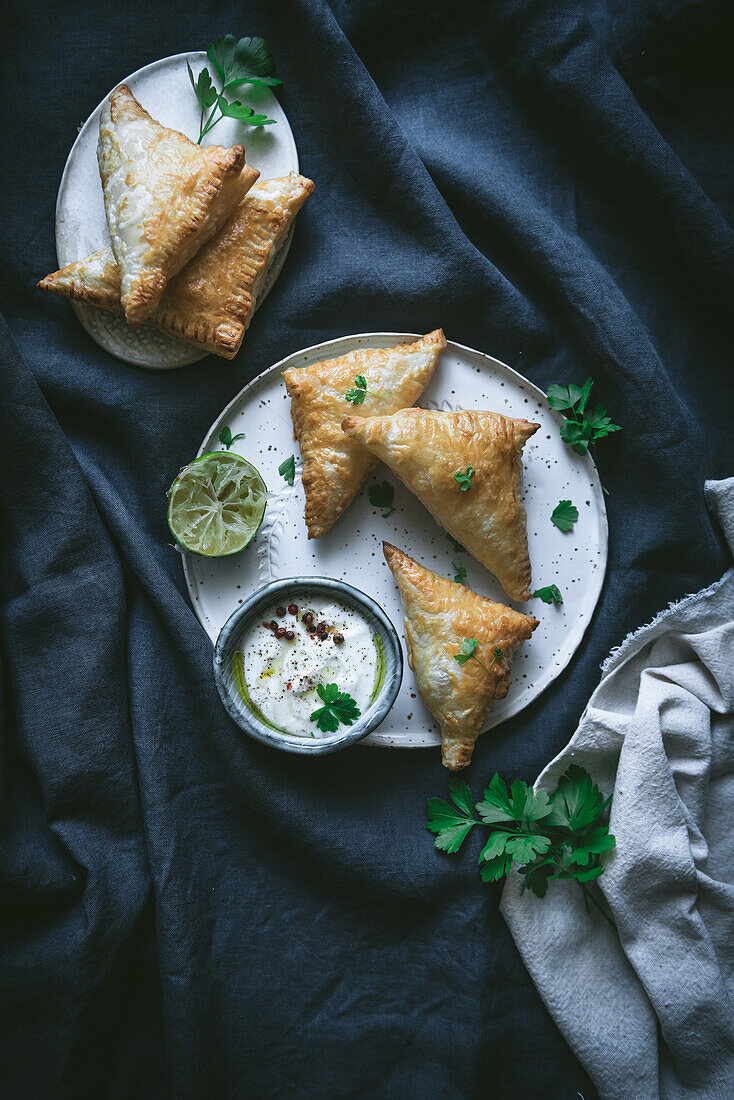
[651,1014]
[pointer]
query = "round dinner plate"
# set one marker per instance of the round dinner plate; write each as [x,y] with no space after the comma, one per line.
[352,549]
[164,90]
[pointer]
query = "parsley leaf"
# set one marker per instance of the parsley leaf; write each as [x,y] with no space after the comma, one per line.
[451,828]
[460,575]
[550,594]
[461,795]
[564,397]
[456,545]
[226,437]
[468,646]
[357,395]
[463,477]
[564,515]
[287,469]
[585,394]
[599,840]
[496,806]
[382,496]
[495,846]
[577,801]
[576,436]
[454,831]
[248,61]
[492,870]
[519,844]
[600,423]
[561,836]
[204,90]
[580,430]
[587,876]
[525,848]
[523,804]
[338,707]
[537,876]
[234,109]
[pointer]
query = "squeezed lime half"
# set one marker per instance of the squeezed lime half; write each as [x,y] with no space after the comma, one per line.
[216,504]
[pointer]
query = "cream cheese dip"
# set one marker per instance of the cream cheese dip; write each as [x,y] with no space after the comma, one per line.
[296,646]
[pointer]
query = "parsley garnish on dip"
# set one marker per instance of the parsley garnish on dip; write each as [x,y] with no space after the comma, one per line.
[301,646]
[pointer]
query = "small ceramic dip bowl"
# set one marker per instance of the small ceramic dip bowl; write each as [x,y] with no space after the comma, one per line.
[290,646]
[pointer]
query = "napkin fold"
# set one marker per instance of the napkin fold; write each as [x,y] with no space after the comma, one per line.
[650,1012]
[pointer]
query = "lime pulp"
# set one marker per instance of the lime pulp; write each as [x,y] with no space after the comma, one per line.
[216,504]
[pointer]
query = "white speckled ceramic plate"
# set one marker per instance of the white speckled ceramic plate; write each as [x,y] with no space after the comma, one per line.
[164,90]
[352,550]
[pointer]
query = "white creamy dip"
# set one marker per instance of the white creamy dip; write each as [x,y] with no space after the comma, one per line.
[281,674]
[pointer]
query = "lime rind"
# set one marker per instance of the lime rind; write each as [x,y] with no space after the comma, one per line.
[216,504]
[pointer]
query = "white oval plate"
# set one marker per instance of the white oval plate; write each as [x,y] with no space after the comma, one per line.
[352,549]
[164,90]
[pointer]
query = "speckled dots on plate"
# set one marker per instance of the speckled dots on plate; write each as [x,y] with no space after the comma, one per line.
[352,550]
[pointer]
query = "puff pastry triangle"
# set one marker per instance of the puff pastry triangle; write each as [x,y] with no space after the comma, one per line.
[334,465]
[164,197]
[211,302]
[425,450]
[439,615]
[95,281]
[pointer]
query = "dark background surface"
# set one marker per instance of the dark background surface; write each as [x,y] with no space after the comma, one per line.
[188,913]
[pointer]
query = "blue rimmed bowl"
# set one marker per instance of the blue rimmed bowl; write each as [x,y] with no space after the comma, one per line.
[228,674]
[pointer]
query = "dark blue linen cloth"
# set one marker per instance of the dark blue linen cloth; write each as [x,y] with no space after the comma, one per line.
[187,913]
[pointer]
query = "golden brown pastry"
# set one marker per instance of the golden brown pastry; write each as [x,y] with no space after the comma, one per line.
[164,197]
[213,299]
[335,466]
[426,449]
[439,615]
[95,281]
[211,302]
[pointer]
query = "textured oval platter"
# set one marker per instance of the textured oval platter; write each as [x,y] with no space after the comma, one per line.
[164,90]
[352,550]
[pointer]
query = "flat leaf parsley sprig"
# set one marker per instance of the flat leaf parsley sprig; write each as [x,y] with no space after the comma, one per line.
[463,478]
[468,652]
[226,437]
[248,61]
[564,515]
[460,574]
[581,429]
[357,395]
[287,469]
[561,836]
[338,707]
[550,594]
